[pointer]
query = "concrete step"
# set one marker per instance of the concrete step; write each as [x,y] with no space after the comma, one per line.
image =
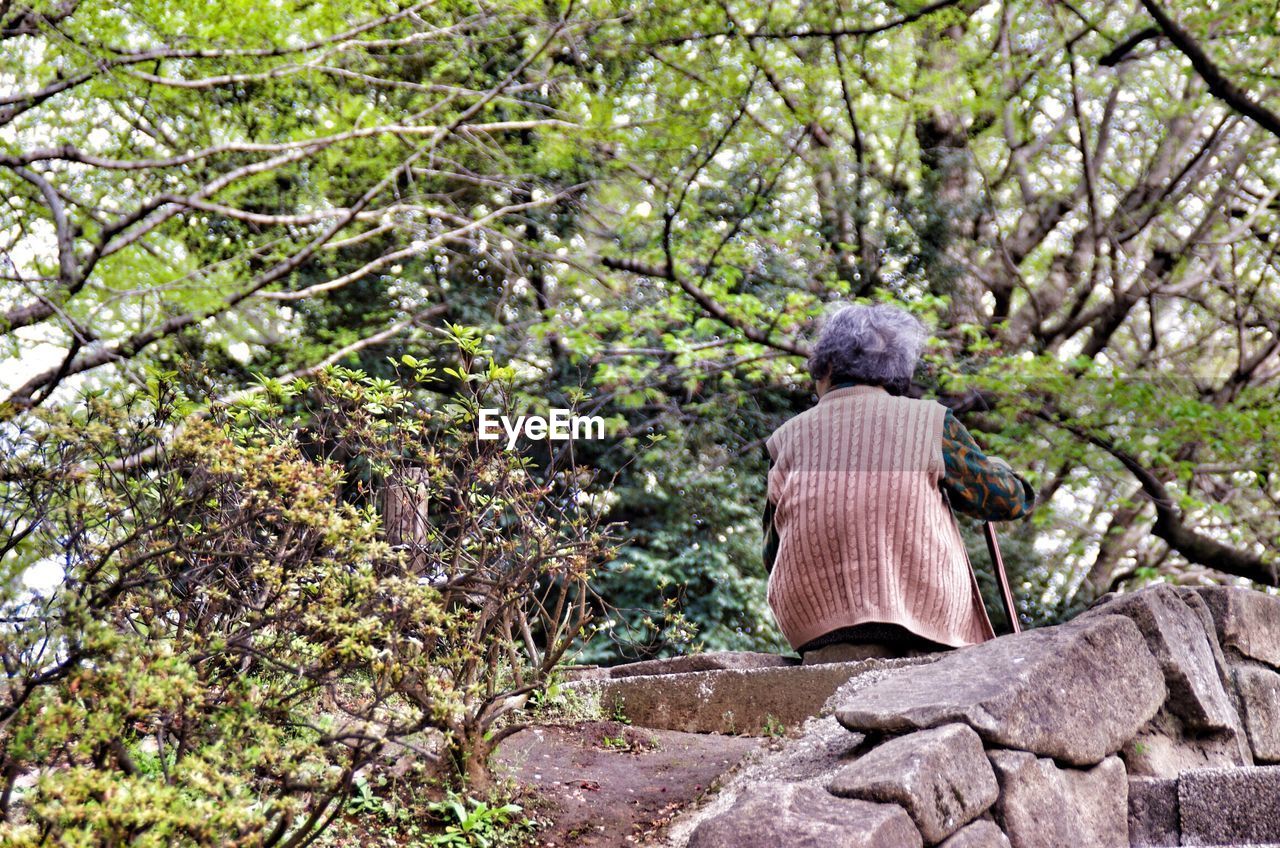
[1207,807]
[748,701]
[709,661]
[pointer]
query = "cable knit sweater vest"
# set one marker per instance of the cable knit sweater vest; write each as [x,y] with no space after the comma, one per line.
[864,532]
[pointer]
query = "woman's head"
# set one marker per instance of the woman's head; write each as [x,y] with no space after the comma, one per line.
[872,345]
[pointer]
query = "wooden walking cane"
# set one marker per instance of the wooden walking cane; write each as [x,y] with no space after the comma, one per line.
[997,564]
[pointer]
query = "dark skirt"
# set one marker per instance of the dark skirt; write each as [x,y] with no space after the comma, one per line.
[875,632]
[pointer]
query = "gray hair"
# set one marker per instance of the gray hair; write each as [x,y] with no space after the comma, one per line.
[874,345]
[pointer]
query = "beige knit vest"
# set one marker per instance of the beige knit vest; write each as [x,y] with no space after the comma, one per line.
[864,532]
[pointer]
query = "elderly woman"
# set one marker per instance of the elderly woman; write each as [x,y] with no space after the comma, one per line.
[865,556]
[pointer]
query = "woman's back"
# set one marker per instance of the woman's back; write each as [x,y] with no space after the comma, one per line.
[865,534]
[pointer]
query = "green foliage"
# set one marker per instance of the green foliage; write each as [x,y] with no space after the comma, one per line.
[773,728]
[470,823]
[233,637]
[404,808]
[616,742]
[618,713]
[556,704]
[363,800]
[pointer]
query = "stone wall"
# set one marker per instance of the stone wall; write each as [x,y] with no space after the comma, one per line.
[1028,740]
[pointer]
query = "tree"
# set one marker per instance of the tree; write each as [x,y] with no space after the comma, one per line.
[192,169]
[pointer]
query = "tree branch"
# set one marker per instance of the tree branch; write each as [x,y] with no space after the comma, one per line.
[708,303]
[1117,54]
[842,32]
[1221,87]
[1170,524]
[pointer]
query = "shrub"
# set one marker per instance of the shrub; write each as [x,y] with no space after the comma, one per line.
[232,637]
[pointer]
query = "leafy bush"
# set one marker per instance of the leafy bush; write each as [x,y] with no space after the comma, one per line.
[471,823]
[231,637]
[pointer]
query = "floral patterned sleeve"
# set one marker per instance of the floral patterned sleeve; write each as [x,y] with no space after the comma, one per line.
[978,485]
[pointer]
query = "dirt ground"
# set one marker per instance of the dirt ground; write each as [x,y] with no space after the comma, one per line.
[604,784]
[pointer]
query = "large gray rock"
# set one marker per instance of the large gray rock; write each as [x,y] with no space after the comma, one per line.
[1180,642]
[941,777]
[710,661]
[798,816]
[1200,607]
[1259,690]
[1248,622]
[1153,812]
[1197,727]
[1230,806]
[1075,692]
[1043,806]
[750,701]
[980,834]
[820,748]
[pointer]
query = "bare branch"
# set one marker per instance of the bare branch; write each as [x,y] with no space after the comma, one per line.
[1170,524]
[841,32]
[1221,87]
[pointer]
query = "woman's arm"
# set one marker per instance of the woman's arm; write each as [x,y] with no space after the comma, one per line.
[980,485]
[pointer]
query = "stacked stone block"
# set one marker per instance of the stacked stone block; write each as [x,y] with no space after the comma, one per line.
[1137,723]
